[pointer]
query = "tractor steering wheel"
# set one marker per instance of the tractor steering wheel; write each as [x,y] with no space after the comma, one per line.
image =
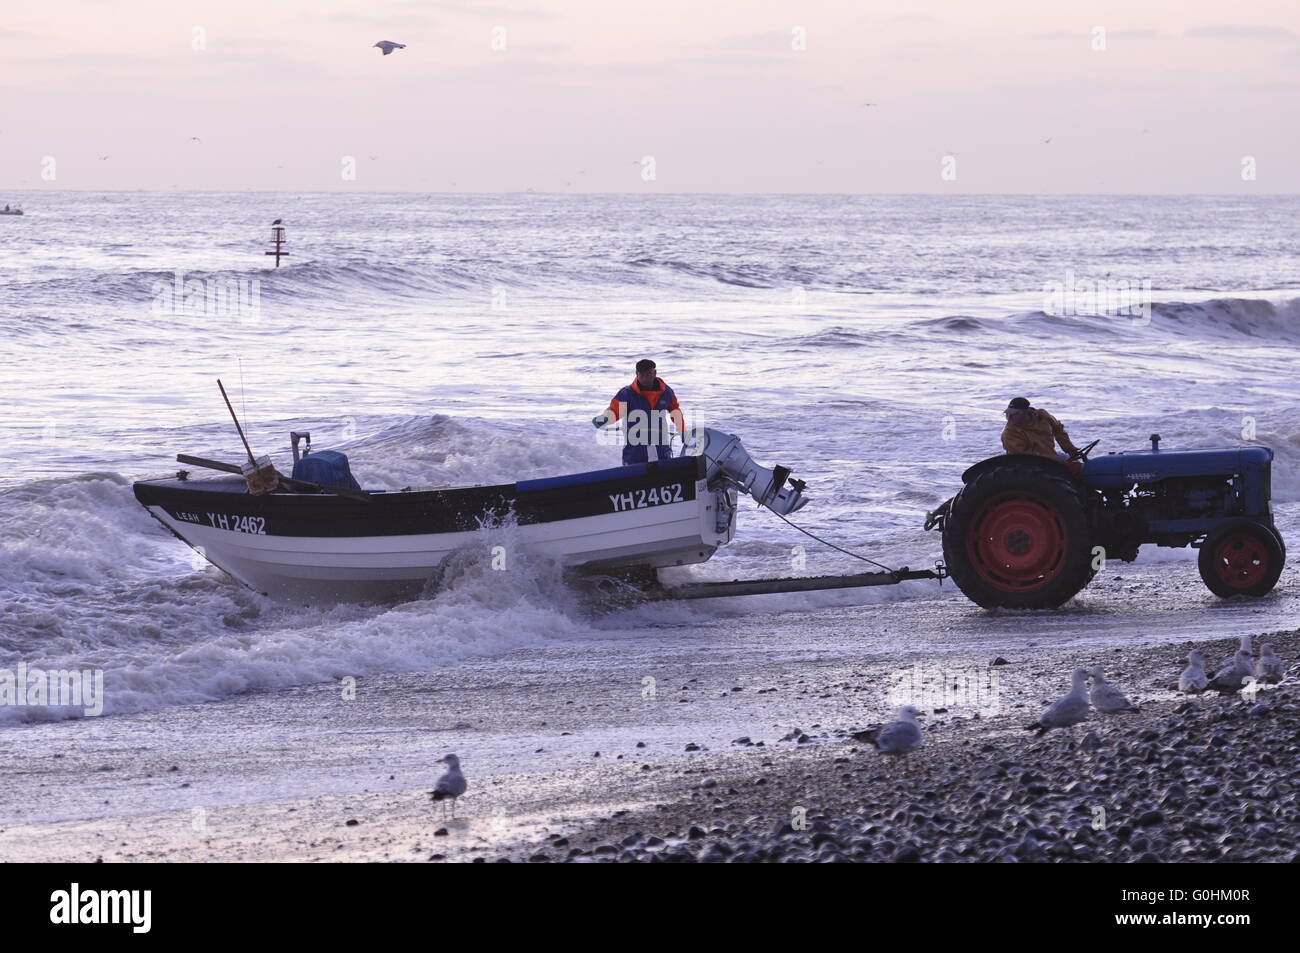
[1082,452]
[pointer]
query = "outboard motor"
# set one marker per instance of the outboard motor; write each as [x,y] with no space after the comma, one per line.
[729,461]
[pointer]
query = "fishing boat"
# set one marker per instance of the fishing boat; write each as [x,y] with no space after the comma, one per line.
[311,541]
[15,210]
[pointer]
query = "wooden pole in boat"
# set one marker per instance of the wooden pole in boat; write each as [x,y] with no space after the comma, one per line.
[260,478]
[236,420]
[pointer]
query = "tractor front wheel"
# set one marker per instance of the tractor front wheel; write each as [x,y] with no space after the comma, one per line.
[1017,537]
[1242,558]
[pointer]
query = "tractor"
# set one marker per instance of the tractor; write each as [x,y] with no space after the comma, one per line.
[1028,532]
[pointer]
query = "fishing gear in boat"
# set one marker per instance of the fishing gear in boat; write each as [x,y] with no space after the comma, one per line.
[260,475]
[329,467]
[292,483]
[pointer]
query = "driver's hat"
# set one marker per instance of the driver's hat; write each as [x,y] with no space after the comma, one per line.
[1018,403]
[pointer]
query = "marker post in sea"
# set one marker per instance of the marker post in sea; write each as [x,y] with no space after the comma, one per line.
[277,239]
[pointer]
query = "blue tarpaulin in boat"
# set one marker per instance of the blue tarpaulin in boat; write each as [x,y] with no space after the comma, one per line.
[676,464]
[326,467]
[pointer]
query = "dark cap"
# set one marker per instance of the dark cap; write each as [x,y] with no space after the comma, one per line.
[1018,403]
[645,364]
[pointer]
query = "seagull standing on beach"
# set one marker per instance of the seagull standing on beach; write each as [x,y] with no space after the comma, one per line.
[388,46]
[451,785]
[1246,647]
[1105,697]
[1068,710]
[1268,668]
[1193,681]
[900,737]
[1231,677]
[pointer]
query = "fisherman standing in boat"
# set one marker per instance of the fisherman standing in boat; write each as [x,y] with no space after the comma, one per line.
[646,405]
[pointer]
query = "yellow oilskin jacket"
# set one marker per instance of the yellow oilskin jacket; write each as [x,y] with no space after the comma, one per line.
[1040,437]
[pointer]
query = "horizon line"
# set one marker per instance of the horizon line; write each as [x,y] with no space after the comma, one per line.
[172,191]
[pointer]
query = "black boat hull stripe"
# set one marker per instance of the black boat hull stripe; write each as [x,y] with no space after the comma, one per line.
[225,504]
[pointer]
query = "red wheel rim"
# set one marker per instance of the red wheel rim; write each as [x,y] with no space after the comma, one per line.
[1241,560]
[1018,542]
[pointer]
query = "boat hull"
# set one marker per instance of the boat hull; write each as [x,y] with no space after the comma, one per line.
[320,547]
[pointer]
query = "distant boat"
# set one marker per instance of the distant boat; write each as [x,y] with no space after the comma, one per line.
[7,210]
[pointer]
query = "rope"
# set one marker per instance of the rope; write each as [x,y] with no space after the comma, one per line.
[243,399]
[825,542]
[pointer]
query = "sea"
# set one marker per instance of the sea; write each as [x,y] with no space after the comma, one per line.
[869,343]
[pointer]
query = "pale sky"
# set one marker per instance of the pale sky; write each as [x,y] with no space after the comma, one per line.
[724,95]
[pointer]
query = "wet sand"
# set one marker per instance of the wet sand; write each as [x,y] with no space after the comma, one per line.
[570,742]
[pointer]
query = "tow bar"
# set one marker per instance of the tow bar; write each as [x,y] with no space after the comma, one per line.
[757,587]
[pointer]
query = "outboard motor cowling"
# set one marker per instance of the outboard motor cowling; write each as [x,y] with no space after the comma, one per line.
[729,461]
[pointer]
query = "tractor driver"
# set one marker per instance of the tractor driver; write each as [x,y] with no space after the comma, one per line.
[1035,431]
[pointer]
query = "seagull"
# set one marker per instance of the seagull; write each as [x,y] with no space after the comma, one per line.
[277,221]
[1105,697]
[451,785]
[899,737]
[1193,681]
[1243,646]
[1269,667]
[1047,141]
[388,46]
[1231,677]
[1068,710]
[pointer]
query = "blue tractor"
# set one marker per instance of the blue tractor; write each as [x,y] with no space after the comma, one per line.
[1027,532]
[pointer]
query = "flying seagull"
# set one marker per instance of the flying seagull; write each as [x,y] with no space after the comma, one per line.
[450,785]
[1105,697]
[1068,710]
[388,46]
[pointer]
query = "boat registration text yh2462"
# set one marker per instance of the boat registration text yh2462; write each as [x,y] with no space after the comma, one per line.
[240,524]
[655,496]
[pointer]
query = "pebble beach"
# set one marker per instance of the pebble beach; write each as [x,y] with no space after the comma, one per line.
[1185,779]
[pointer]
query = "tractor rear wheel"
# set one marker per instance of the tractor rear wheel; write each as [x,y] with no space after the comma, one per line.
[1242,558]
[1017,537]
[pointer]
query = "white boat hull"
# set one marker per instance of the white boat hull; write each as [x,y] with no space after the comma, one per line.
[394,564]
